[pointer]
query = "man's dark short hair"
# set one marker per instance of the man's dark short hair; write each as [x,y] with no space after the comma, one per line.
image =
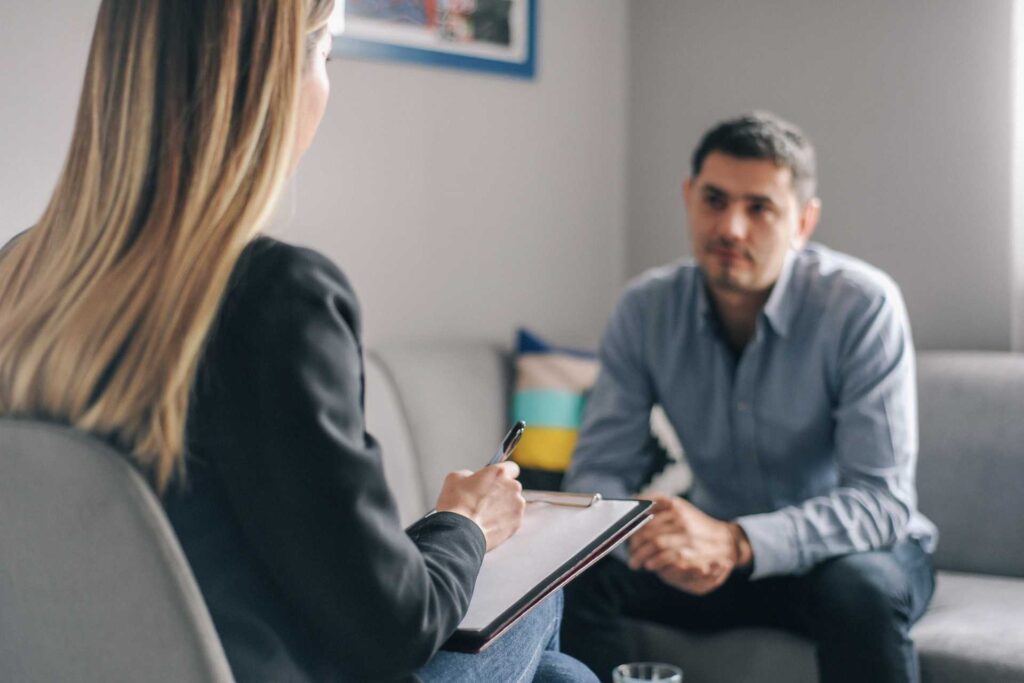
[762,135]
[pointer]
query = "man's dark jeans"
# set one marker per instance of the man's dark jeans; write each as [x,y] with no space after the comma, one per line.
[857,608]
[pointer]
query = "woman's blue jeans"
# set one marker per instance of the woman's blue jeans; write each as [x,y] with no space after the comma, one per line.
[527,652]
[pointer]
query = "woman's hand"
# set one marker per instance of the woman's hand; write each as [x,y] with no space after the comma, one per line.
[490,497]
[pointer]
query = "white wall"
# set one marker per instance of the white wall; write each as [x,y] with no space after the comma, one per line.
[459,204]
[909,104]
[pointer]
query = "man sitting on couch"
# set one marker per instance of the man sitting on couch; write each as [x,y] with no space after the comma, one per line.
[787,370]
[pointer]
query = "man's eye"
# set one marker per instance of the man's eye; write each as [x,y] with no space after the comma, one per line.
[714,201]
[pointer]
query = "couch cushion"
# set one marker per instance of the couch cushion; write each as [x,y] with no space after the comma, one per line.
[973,631]
[971,467]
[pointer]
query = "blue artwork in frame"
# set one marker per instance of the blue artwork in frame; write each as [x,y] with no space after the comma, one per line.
[497,36]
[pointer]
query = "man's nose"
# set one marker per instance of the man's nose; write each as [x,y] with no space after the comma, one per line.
[734,225]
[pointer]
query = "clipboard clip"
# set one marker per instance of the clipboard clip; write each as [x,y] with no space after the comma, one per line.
[578,500]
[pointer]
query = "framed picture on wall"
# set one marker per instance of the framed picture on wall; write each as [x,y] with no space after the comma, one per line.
[498,36]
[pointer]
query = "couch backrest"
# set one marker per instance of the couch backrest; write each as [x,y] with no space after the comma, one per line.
[386,420]
[93,584]
[970,474]
[453,403]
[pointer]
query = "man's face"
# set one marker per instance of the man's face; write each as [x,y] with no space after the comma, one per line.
[744,216]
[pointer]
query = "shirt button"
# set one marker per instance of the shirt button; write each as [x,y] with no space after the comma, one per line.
[743,406]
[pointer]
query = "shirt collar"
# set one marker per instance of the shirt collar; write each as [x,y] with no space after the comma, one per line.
[782,302]
[778,310]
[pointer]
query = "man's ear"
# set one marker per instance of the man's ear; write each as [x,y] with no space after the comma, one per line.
[809,215]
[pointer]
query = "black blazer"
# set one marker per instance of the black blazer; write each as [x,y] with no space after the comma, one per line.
[284,514]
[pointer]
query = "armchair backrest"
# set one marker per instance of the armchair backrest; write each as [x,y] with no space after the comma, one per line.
[93,583]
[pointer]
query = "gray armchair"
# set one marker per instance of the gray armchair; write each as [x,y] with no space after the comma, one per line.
[93,584]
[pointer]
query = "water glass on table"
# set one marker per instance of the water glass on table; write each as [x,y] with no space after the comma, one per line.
[647,672]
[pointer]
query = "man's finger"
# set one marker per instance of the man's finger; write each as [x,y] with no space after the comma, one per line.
[640,554]
[682,581]
[660,501]
[675,575]
[692,566]
[659,524]
[663,559]
[652,529]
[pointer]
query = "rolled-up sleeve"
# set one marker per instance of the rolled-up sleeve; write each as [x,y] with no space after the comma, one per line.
[875,417]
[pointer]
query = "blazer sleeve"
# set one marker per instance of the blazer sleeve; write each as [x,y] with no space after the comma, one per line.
[306,481]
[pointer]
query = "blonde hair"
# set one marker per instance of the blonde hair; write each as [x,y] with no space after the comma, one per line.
[182,141]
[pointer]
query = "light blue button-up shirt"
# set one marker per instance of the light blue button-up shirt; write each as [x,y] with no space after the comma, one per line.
[807,439]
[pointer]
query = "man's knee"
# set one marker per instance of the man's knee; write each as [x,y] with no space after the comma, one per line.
[596,593]
[869,592]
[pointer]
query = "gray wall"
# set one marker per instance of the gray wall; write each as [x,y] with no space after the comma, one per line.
[459,204]
[462,204]
[43,47]
[910,106]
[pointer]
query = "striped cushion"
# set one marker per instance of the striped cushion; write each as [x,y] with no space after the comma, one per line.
[550,394]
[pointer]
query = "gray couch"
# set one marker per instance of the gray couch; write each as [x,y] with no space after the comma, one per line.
[438,409]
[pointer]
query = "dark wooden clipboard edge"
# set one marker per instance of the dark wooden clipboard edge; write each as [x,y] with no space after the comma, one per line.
[478,640]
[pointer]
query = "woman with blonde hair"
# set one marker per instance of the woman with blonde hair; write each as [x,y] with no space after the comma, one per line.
[145,308]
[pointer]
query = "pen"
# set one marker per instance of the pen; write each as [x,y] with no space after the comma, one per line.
[508,444]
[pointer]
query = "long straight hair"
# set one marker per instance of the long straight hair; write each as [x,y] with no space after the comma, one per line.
[183,138]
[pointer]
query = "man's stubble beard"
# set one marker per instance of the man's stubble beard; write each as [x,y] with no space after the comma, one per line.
[727,281]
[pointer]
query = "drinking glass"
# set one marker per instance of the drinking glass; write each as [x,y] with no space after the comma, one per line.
[647,672]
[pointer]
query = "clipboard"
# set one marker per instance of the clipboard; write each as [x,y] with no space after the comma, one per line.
[557,542]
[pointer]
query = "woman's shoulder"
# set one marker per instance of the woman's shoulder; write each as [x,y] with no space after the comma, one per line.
[271,273]
[272,263]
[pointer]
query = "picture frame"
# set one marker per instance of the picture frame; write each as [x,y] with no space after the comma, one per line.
[495,36]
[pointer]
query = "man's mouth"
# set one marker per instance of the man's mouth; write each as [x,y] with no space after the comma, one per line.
[728,256]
